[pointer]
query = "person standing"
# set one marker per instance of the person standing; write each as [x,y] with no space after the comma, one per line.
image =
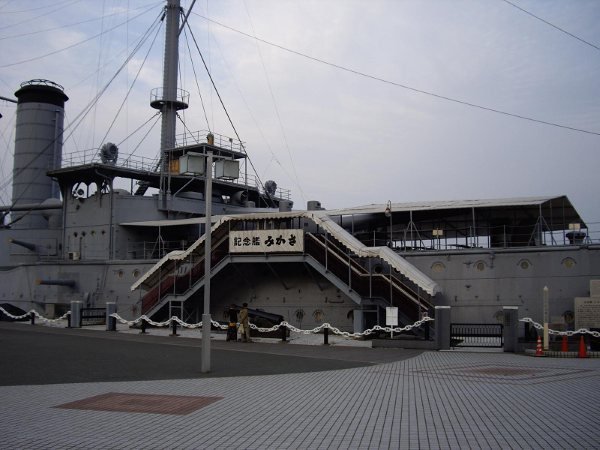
[245,323]
[232,328]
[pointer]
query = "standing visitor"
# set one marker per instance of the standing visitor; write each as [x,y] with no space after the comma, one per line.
[232,328]
[244,323]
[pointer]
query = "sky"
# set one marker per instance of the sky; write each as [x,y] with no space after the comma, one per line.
[333,97]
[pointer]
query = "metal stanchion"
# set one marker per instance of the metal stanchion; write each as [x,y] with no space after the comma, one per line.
[32,314]
[143,326]
[174,328]
[326,336]
[111,322]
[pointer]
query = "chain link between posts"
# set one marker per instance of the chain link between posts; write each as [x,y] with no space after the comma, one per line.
[218,325]
[539,326]
[36,314]
[292,328]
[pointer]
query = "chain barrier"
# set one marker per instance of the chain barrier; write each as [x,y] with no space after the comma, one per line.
[337,331]
[559,333]
[289,326]
[275,327]
[27,315]
[166,323]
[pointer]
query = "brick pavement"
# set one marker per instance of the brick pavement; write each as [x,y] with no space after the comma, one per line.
[435,400]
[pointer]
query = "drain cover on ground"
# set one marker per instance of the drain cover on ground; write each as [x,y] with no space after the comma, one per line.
[142,403]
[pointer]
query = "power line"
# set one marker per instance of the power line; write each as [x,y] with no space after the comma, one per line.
[45,30]
[51,5]
[283,134]
[227,113]
[55,8]
[35,58]
[403,86]
[552,25]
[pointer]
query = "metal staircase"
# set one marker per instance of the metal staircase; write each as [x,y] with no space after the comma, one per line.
[363,279]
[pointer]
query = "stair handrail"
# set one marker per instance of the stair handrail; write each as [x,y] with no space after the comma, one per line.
[321,219]
[362,271]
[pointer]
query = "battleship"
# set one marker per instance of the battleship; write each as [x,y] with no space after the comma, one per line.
[72,233]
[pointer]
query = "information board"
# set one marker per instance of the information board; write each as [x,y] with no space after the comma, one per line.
[391,316]
[587,312]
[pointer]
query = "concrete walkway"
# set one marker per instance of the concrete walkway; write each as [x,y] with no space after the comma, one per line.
[432,400]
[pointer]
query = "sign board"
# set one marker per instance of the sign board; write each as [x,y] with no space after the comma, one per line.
[391,316]
[587,312]
[266,241]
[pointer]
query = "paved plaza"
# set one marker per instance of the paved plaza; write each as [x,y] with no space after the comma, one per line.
[403,400]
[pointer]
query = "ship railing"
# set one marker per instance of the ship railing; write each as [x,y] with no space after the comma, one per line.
[153,249]
[252,180]
[415,238]
[200,137]
[90,156]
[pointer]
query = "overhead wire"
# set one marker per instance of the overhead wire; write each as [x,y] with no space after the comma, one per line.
[155,116]
[404,86]
[227,114]
[55,9]
[72,126]
[76,44]
[562,30]
[50,5]
[208,127]
[257,125]
[283,133]
[132,84]
[68,25]
[10,125]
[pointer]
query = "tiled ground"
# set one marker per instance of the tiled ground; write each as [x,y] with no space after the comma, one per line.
[436,400]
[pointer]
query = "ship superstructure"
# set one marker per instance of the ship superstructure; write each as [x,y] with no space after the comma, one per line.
[73,233]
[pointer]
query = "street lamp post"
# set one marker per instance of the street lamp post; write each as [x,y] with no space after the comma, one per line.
[388,213]
[206,319]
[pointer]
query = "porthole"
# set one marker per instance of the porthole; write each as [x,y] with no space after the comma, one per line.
[120,273]
[136,273]
[438,267]
[480,265]
[524,264]
[569,262]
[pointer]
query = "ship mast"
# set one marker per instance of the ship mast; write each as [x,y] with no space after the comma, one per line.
[169,99]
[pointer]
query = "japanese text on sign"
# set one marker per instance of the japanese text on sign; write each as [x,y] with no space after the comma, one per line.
[266,241]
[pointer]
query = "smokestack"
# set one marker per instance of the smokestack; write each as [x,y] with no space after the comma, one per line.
[38,148]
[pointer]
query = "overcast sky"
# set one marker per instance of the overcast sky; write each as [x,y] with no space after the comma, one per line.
[330,134]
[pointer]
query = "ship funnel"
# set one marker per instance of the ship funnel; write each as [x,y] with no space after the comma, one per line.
[38,148]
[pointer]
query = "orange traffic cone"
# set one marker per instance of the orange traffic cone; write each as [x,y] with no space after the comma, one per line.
[565,344]
[538,348]
[582,349]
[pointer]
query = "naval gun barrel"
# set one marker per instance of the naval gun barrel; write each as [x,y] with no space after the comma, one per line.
[31,207]
[27,245]
[68,283]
